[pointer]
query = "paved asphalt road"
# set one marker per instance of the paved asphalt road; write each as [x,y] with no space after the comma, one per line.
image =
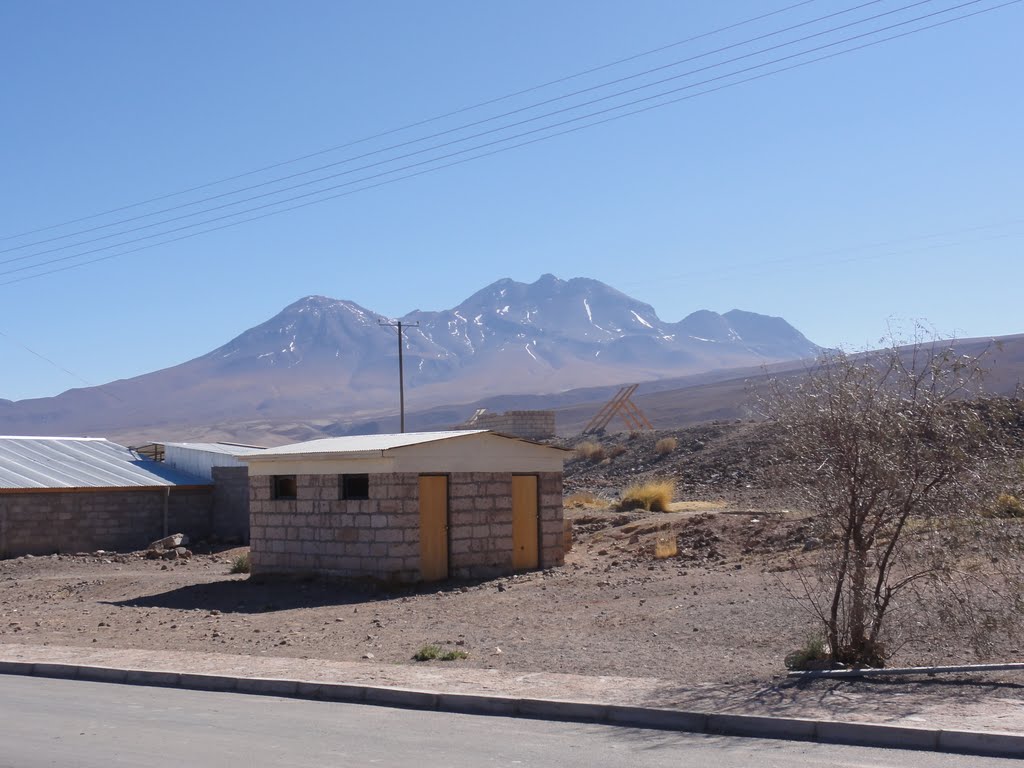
[68,723]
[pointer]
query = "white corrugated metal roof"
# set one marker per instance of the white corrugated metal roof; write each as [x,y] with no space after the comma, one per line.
[228,448]
[81,462]
[362,443]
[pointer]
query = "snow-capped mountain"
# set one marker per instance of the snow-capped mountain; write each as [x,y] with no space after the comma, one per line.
[325,358]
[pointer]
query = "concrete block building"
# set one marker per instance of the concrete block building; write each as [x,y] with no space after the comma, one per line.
[412,507]
[218,463]
[72,494]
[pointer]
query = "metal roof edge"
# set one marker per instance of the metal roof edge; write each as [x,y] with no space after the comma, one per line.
[316,455]
[530,442]
[53,437]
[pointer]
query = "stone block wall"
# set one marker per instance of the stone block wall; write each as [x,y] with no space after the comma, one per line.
[319,533]
[552,530]
[42,523]
[379,538]
[231,503]
[533,425]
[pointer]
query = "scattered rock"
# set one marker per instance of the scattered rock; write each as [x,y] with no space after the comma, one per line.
[170,542]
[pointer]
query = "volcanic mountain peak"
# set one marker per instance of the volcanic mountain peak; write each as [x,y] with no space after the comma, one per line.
[321,356]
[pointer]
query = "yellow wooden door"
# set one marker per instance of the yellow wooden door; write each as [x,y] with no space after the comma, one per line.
[524,522]
[433,527]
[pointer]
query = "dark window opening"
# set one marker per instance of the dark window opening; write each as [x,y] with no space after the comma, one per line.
[285,487]
[355,487]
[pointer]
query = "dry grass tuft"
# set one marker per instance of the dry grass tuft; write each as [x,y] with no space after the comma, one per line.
[654,496]
[665,546]
[582,500]
[590,451]
[1008,505]
[665,446]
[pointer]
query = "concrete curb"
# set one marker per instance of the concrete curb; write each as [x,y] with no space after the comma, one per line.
[991,744]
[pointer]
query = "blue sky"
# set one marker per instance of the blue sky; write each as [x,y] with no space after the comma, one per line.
[883,183]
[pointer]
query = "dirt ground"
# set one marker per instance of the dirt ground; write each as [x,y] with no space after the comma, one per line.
[715,612]
[717,616]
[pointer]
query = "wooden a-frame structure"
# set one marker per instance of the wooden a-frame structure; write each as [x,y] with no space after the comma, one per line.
[623,405]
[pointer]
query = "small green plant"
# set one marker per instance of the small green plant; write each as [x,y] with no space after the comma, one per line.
[665,446]
[240,563]
[654,496]
[590,451]
[432,652]
[813,655]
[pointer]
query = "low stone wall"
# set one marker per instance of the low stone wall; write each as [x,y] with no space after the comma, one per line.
[533,425]
[47,522]
[231,504]
[379,538]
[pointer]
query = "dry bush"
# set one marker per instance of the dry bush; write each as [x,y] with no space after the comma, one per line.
[665,446]
[654,496]
[590,451]
[895,451]
[615,451]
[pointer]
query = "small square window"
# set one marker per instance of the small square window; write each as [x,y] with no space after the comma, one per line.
[285,487]
[355,487]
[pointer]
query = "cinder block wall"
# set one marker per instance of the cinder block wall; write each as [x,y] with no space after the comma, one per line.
[83,521]
[533,425]
[319,533]
[231,503]
[379,538]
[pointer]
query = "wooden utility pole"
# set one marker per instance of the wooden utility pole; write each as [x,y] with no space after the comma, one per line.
[401,368]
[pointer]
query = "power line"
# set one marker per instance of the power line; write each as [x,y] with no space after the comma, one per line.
[418,123]
[44,358]
[456,129]
[816,259]
[469,138]
[521,144]
[486,154]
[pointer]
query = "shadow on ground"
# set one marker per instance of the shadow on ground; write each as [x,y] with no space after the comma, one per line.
[248,596]
[874,699]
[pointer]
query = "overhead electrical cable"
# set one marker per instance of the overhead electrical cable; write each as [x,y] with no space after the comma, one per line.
[487,132]
[419,123]
[468,126]
[526,143]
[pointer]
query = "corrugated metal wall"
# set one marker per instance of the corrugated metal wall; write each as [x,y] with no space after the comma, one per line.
[198,462]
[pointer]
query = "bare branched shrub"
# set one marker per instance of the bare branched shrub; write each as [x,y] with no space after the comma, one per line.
[894,453]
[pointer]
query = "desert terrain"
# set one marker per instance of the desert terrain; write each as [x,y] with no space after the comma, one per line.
[721,611]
